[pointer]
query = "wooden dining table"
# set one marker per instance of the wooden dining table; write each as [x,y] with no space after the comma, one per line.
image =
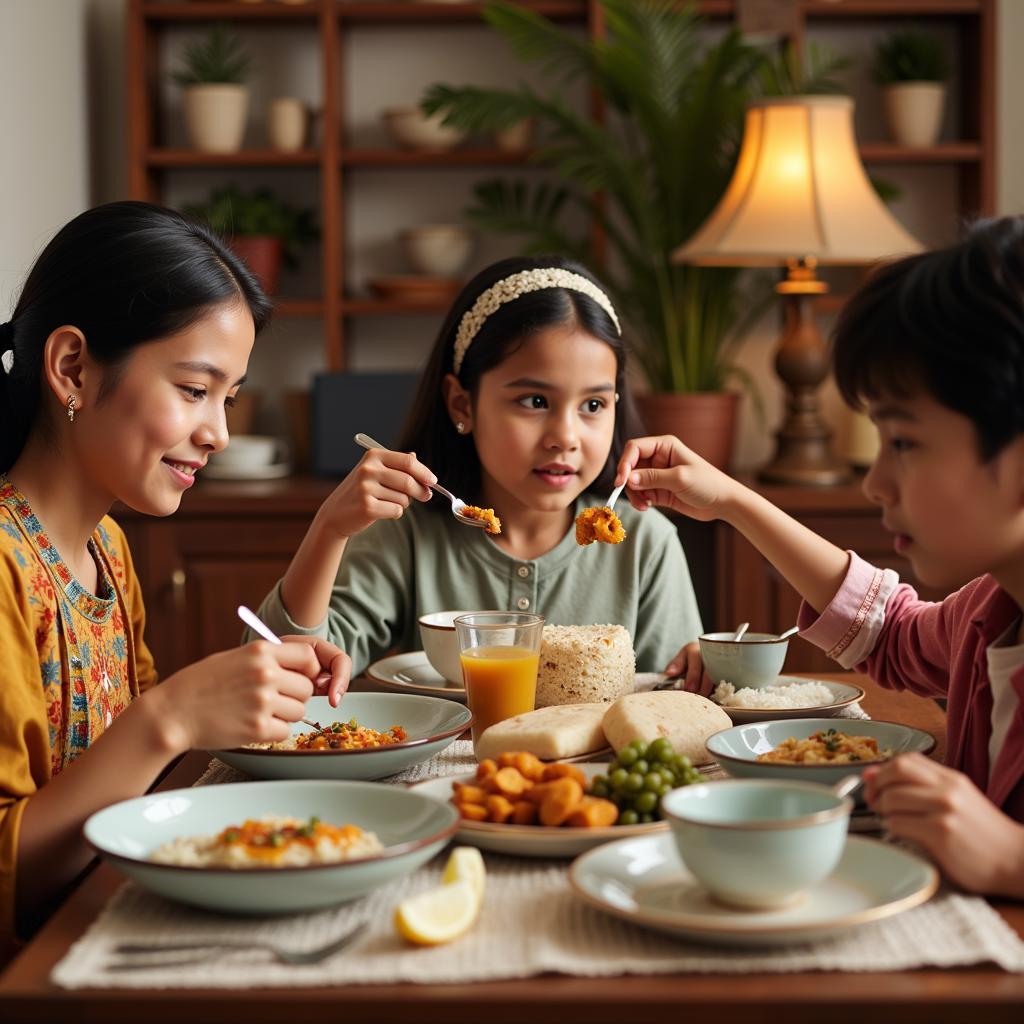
[981,993]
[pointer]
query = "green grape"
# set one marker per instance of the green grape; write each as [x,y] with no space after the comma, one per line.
[628,817]
[645,803]
[641,766]
[627,756]
[646,819]
[618,779]
[599,787]
[652,782]
[634,782]
[640,746]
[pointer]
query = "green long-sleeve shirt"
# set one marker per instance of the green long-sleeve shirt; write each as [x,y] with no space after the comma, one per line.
[397,570]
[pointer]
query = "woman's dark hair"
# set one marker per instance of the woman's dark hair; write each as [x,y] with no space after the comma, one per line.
[429,430]
[124,274]
[949,323]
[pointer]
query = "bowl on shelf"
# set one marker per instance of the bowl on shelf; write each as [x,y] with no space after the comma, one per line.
[516,138]
[411,128]
[439,250]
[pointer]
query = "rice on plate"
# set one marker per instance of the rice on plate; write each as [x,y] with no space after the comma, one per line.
[784,695]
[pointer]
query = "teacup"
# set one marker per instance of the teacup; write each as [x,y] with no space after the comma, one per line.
[758,845]
[754,661]
[251,451]
[441,644]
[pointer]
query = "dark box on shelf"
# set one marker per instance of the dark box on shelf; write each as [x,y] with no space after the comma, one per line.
[345,404]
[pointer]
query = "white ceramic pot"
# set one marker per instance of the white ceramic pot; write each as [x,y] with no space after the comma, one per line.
[913,112]
[411,128]
[286,124]
[440,250]
[517,138]
[215,116]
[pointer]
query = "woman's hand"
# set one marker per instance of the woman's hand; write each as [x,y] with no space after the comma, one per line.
[380,487]
[688,665]
[663,471]
[977,846]
[250,694]
[335,667]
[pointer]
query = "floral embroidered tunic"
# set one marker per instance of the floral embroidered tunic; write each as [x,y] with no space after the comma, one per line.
[71,662]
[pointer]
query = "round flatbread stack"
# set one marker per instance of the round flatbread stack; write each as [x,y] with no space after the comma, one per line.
[565,730]
[686,720]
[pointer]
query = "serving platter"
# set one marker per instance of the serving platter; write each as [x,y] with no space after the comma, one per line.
[531,840]
[431,725]
[643,881]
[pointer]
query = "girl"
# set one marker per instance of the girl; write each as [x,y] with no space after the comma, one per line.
[523,408]
[934,346]
[131,334]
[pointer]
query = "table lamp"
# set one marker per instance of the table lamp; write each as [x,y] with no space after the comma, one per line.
[799,196]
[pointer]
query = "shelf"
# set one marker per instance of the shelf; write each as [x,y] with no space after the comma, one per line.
[356,306]
[298,307]
[889,8]
[417,158]
[382,11]
[231,10]
[243,158]
[943,153]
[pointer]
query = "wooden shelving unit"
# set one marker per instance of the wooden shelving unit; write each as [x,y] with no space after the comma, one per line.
[150,161]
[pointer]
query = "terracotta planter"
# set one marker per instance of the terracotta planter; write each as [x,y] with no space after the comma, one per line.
[262,254]
[913,112]
[705,422]
[215,116]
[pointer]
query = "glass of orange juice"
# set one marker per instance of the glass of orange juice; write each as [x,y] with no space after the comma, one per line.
[499,652]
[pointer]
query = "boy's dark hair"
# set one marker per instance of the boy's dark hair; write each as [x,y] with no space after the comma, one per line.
[124,274]
[429,430]
[950,323]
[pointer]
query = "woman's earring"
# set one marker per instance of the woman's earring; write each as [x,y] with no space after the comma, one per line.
[460,427]
[71,408]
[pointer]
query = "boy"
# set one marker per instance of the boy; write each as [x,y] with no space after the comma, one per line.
[933,347]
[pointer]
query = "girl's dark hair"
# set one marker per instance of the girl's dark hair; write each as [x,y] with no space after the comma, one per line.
[429,430]
[124,274]
[949,323]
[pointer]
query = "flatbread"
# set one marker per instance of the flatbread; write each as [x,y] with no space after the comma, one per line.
[685,719]
[562,730]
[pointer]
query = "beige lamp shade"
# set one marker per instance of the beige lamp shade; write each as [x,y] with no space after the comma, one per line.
[799,191]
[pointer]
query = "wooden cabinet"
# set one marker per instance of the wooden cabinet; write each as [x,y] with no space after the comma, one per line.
[748,589]
[226,546]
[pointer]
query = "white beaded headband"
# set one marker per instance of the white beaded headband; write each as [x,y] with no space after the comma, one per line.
[512,287]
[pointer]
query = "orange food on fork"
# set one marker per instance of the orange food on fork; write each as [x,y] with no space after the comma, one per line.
[600,524]
[483,515]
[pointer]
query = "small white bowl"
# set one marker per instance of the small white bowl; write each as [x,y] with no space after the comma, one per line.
[440,250]
[411,128]
[250,451]
[441,643]
[754,661]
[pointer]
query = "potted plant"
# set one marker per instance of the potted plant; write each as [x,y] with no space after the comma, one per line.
[261,228]
[648,177]
[912,69]
[216,100]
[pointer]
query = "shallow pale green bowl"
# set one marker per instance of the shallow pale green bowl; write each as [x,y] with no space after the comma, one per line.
[738,748]
[412,828]
[754,661]
[431,723]
[758,844]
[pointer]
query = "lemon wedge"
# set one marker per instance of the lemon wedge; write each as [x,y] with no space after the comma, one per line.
[443,914]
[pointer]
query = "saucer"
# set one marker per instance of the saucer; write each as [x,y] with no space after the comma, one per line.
[412,673]
[643,881]
[843,696]
[274,471]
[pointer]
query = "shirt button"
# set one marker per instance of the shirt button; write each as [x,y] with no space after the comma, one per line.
[523,603]
[524,571]
[108,718]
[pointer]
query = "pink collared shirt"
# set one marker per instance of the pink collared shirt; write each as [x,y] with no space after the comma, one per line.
[880,626]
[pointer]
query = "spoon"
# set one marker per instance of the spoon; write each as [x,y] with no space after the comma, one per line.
[789,632]
[251,619]
[740,630]
[610,503]
[367,442]
[847,785]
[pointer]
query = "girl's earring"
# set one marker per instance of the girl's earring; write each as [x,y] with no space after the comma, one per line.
[616,396]
[71,408]
[460,427]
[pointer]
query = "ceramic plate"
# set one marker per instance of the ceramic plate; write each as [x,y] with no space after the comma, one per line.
[272,472]
[412,673]
[412,828]
[738,748]
[532,840]
[431,724]
[643,881]
[844,695]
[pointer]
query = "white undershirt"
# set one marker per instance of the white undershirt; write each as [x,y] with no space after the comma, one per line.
[1004,658]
